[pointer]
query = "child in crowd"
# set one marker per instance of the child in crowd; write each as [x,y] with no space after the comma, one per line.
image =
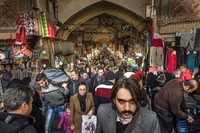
[65,121]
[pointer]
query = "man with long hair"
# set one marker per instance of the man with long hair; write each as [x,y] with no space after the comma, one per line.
[124,114]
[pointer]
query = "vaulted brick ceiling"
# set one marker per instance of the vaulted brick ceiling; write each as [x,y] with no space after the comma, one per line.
[92,15]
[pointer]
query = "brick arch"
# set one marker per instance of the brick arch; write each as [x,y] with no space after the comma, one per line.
[98,9]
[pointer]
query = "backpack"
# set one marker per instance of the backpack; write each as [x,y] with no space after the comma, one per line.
[161,79]
[56,76]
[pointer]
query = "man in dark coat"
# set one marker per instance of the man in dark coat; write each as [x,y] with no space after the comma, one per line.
[170,103]
[18,105]
[5,77]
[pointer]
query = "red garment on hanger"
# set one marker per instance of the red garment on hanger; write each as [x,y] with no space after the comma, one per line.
[51,31]
[157,42]
[171,61]
[20,37]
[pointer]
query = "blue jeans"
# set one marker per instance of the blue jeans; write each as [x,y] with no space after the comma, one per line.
[181,126]
[51,111]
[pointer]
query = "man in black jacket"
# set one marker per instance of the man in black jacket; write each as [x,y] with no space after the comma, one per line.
[5,77]
[18,105]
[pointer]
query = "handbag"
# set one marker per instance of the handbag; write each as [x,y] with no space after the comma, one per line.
[89,124]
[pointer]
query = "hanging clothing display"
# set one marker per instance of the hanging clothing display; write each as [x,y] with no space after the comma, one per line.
[185,38]
[192,39]
[20,36]
[181,54]
[171,61]
[44,25]
[178,39]
[197,40]
[157,42]
[191,59]
[27,21]
[156,56]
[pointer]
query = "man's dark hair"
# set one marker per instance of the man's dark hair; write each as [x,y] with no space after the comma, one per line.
[130,85]
[94,67]
[189,83]
[100,68]
[183,65]
[16,95]
[40,76]
[74,70]
[83,72]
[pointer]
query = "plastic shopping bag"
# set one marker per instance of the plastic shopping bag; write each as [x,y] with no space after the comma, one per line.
[89,124]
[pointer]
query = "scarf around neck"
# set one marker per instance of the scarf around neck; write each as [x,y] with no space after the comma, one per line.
[82,101]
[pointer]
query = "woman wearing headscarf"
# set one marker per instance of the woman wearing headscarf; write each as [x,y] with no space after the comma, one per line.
[82,103]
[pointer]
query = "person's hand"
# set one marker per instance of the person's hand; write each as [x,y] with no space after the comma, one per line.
[190,119]
[72,127]
[90,113]
[64,85]
[188,110]
[58,127]
[41,71]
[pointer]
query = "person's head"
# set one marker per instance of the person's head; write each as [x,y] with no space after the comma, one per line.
[87,69]
[126,97]
[85,75]
[190,86]
[110,76]
[103,65]
[183,67]
[100,72]
[18,99]
[82,88]
[2,68]
[121,68]
[42,80]
[129,68]
[14,81]
[74,75]
[93,69]
[111,68]
[26,80]
[67,108]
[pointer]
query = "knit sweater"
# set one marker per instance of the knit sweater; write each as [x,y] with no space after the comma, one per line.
[102,94]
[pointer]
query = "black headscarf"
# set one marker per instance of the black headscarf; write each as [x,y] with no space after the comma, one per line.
[82,101]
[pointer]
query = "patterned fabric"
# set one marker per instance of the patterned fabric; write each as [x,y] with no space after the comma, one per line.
[26,20]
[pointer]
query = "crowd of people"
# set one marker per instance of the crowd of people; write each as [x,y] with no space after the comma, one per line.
[124,100]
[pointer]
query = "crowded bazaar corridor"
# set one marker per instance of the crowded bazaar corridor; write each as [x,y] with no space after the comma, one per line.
[99,66]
